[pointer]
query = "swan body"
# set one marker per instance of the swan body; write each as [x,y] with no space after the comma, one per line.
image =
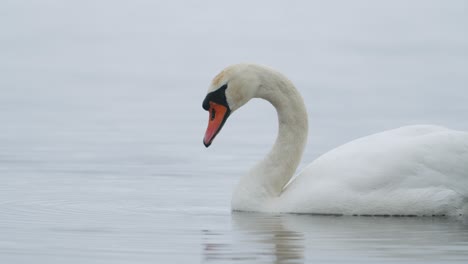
[412,170]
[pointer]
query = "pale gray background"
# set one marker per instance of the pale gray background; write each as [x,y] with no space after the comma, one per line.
[101,125]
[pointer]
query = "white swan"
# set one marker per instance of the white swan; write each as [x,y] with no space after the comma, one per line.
[412,170]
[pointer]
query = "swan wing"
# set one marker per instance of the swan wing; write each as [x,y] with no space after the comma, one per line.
[420,170]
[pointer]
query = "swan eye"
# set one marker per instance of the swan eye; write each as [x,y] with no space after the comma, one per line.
[218,96]
[213,114]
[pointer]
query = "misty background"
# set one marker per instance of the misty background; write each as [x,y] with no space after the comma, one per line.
[101,123]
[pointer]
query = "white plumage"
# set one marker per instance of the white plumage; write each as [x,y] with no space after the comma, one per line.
[412,170]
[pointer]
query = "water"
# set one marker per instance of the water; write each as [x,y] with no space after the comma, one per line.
[101,157]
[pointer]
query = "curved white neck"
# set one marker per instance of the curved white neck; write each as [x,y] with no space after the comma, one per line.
[267,179]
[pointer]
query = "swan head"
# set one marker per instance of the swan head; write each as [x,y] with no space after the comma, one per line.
[230,89]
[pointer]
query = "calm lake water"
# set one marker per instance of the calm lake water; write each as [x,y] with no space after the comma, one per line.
[101,125]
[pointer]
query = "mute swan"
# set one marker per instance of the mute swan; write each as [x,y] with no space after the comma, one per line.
[413,170]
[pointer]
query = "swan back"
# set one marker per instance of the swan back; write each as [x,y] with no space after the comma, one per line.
[412,170]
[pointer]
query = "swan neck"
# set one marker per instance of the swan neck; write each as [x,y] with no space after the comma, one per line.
[282,161]
[268,178]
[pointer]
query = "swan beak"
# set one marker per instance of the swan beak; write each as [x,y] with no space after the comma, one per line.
[218,115]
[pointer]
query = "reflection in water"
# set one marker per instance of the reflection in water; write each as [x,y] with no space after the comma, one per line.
[262,238]
[306,238]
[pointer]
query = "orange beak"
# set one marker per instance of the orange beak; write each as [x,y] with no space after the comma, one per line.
[218,115]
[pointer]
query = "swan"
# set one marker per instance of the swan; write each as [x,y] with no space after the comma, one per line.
[419,170]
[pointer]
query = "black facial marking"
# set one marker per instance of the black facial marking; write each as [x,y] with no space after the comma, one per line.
[218,96]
